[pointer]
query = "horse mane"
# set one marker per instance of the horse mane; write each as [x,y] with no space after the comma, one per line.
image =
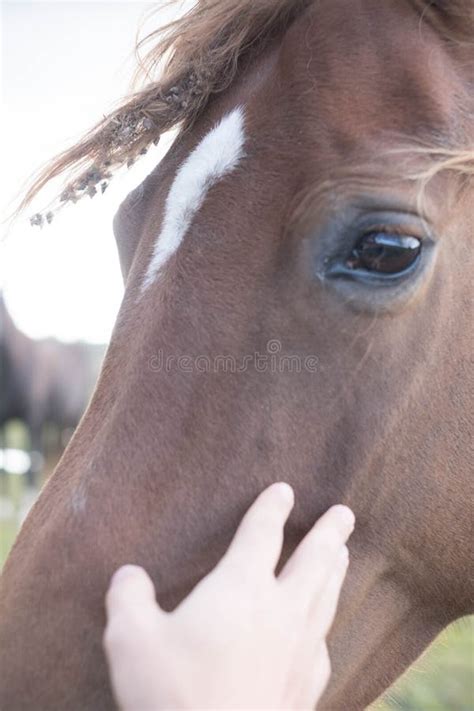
[189,60]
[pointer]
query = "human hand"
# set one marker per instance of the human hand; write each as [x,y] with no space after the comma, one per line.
[243,638]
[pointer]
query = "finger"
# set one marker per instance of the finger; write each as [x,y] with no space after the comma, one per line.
[314,657]
[259,538]
[306,572]
[323,609]
[130,592]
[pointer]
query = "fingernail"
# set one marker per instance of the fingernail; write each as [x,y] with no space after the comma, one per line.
[346,516]
[285,491]
[126,571]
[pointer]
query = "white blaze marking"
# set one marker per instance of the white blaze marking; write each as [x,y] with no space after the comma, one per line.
[216,155]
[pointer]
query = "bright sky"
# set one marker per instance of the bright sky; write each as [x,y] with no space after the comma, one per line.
[64,64]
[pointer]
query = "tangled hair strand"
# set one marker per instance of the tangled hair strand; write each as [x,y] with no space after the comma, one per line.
[194,57]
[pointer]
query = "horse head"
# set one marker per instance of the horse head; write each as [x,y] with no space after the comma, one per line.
[297,306]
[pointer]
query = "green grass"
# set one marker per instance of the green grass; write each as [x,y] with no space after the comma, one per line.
[15,435]
[442,679]
[11,493]
[8,530]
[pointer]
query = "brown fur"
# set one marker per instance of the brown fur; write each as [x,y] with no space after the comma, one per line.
[164,464]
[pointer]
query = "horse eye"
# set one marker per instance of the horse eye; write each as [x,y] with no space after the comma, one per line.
[384,253]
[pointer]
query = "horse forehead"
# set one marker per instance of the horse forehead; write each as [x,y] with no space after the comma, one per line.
[367,65]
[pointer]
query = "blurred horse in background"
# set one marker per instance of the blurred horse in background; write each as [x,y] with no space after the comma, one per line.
[44,383]
[316,204]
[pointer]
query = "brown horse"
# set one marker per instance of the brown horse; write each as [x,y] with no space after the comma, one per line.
[316,209]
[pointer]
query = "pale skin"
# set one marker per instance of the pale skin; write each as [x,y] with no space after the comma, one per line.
[243,638]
